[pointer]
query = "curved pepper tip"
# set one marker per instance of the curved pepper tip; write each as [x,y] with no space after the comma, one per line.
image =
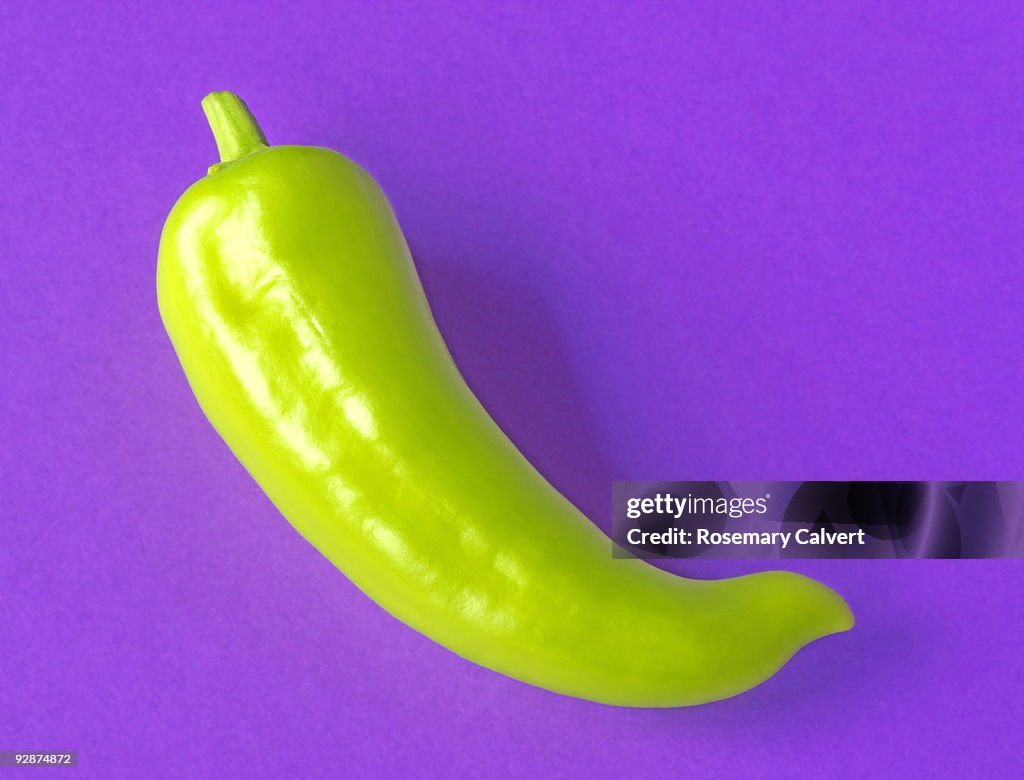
[843,619]
[808,609]
[836,617]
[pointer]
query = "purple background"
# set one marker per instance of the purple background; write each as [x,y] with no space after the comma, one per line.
[721,243]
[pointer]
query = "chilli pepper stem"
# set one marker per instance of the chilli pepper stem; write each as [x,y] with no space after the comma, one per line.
[234,127]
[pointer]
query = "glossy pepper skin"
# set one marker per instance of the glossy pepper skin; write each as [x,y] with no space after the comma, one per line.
[293,304]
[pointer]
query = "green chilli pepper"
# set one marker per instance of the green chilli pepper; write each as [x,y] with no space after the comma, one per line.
[289,294]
